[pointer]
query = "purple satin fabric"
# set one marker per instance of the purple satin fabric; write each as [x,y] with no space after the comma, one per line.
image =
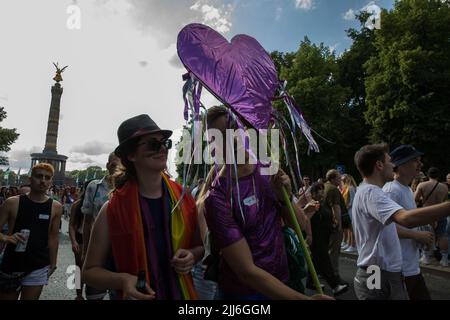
[241,74]
[262,228]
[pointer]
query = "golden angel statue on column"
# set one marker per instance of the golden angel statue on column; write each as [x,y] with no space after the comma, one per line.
[58,76]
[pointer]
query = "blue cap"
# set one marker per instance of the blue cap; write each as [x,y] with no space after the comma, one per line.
[403,154]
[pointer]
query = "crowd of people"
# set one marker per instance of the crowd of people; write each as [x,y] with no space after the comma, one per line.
[231,238]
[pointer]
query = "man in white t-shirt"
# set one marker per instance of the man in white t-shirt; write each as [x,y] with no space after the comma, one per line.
[376,236]
[407,165]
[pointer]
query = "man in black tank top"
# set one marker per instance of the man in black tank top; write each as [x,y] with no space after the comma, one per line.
[34,255]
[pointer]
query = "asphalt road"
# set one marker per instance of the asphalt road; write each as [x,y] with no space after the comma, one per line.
[57,285]
[439,286]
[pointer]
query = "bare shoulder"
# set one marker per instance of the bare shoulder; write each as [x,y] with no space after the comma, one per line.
[421,185]
[104,210]
[102,218]
[12,202]
[56,204]
[57,207]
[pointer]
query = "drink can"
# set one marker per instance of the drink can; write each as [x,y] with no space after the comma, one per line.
[21,247]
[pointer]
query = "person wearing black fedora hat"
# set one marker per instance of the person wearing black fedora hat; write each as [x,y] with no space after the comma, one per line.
[376,236]
[149,224]
[407,165]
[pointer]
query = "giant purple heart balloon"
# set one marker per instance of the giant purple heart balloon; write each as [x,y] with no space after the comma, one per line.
[241,74]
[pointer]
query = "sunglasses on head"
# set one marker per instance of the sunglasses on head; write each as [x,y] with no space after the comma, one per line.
[155,145]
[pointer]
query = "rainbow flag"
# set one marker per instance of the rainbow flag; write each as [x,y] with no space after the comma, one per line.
[127,231]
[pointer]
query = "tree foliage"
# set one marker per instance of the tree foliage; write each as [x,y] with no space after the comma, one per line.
[7,138]
[87,174]
[391,85]
[312,75]
[408,87]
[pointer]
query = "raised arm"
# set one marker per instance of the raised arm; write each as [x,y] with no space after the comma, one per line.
[421,216]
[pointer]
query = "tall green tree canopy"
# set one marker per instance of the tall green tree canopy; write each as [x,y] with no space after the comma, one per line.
[408,87]
[312,74]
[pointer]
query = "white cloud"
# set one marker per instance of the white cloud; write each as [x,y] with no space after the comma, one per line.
[216,18]
[372,7]
[304,4]
[278,13]
[106,81]
[375,12]
[349,15]
[81,162]
[81,159]
[94,148]
[164,19]
[334,46]
[20,158]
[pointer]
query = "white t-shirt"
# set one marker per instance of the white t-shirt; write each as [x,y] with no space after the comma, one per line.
[376,237]
[404,196]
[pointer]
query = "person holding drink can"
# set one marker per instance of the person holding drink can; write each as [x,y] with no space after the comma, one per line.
[32,238]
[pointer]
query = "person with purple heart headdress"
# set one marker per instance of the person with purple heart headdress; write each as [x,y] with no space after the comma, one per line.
[242,206]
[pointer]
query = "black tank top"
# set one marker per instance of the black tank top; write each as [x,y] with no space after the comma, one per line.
[35,217]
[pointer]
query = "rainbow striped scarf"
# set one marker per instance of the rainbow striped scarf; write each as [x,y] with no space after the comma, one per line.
[127,231]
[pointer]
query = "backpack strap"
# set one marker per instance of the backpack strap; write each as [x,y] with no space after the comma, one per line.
[425,200]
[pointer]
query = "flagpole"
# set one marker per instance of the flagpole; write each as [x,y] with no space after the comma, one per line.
[294,221]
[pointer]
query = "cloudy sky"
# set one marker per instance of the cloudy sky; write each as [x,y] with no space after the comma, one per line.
[122,61]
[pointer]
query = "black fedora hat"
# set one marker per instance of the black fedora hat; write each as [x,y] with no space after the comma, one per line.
[136,127]
[403,154]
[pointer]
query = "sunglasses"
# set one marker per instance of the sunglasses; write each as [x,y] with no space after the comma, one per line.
[155,145]
[42,176]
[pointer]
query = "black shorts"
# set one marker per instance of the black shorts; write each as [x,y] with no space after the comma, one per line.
[346,221]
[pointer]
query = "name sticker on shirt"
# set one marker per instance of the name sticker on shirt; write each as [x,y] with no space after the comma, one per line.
[250,201]
[44,216]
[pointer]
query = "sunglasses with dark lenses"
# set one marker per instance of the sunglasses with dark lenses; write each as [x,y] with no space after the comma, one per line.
[42,176]
[155,145]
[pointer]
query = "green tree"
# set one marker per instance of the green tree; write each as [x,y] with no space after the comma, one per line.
[7,137]
[9,178]
[408,87]
[352,74]
[87,174]
[312,75]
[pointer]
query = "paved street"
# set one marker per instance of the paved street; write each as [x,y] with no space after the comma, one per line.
[439,286]
[57,286]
